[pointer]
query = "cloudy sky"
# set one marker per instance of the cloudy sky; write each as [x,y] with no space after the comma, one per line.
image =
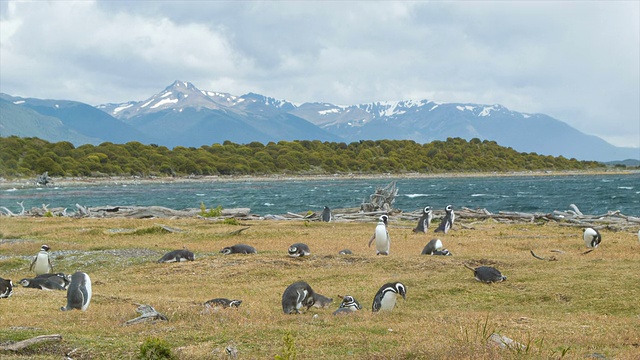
[578,61]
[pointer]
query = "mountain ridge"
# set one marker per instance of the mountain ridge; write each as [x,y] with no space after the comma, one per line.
[183,115]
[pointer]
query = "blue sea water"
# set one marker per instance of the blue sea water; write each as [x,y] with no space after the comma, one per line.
[593,194]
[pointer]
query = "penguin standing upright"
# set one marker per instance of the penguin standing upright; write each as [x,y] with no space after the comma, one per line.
[385,298]
[79,292]
[447,221]
[381,236]
[326,214]
[425,220]
[591,237]
[41,263]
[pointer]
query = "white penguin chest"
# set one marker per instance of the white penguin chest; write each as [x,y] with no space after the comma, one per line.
[388,301]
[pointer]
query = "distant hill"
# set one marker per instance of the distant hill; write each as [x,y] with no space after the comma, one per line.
[183,115]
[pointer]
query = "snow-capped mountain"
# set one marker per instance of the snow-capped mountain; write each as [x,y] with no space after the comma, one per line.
[184,115]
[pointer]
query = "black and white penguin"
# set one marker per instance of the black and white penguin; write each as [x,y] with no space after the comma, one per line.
[381,236]
[299,295]
[447,221]
[349,304]
[43,283]
[6,288]
[177,256]
[434,247]
[487,274]
[238,249]
[59,278]
[591,238]
[224,303]
[326,214]
[385,298]
[425,221]
[299,250]
[41,263]
[345,252]
[79,292]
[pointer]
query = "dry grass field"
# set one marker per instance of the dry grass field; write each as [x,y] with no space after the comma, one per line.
[580,306]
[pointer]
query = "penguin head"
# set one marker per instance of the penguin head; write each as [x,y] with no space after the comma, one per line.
[427,210]
[45,247]
[401,290]
[384,219]
[226,250]
[293,250]
[25,282]
[235,303]
[449,208]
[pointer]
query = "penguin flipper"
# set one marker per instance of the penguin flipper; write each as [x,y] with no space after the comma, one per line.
[372,238]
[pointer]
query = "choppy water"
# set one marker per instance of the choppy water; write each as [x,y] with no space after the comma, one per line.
[593,194]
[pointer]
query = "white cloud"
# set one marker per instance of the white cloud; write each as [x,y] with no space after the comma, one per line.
[576,61]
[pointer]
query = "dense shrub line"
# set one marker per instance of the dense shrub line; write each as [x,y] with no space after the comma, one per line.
[24,157]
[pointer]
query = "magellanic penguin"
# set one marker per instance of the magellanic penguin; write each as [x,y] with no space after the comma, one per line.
[79,292]
[299,250]
[6,288]
[349,304]
[434,247]
[177,256]
[299,295]
[238,249]
[43,283]
[223,302]
[591,238]
[385,298]
[425,221]
[326,214]
[381,236]
[487,274]
[60,278]
[447,221]
[41,263]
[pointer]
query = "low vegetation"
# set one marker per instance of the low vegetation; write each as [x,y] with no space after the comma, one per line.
[580,306]
[27,157]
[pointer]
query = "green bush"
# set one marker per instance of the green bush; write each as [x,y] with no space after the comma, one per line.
[155,349]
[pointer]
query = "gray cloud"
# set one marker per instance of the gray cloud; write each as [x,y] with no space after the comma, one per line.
[577,61]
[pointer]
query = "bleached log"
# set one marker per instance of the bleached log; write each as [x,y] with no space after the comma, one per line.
[83,210]
[17,346]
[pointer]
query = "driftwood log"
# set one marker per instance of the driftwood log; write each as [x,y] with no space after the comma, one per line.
[17,346]
[382,199]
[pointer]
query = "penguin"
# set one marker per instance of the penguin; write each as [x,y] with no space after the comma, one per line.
[299,250]
[59,278]
[225,303]
[299,295]
[447,221]
[326,214]
[385,298]
[6,288]
[79,292]
[177,256]
[425,221]
[42,283]
[345,252]
[591,237]
[487,274]
[434,247]
[41,263]
[349,304]
[238,249]
[381,236]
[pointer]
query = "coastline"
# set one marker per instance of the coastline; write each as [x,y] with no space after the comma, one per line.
[130,180]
